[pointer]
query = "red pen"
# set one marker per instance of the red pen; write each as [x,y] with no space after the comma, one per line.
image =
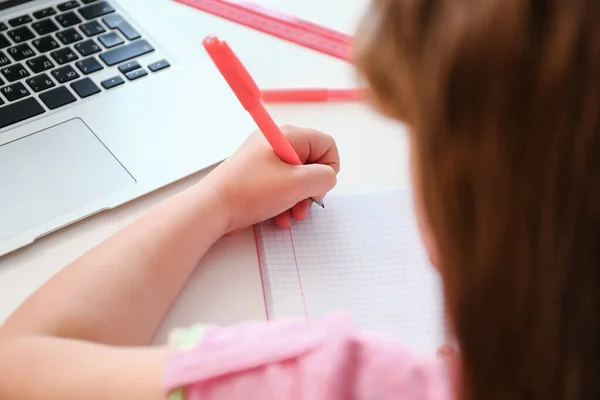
[248,94]
[309,95]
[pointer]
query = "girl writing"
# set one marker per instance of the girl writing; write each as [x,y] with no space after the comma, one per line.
[502,98]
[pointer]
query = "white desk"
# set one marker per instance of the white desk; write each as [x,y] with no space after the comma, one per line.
[226,286]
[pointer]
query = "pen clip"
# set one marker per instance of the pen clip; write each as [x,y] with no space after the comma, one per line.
[233,71]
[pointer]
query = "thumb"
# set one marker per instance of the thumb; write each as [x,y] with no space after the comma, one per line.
[315,180]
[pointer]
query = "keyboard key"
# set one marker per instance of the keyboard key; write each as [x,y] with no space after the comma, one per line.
[127,52]
[46,12]
[129,66]
[64,56]
[15,91]
[112,82]
[96,10]
[92,28]
[3,41]
[65,74]
[89,65]
[21,52]
[68,5]
[128,31]
[40,82]
[45,26]
[158,65]
[117,22]
[3,26]
[111,40]
[55,98]
[68,19]
[20,111]
[85,88]
[18,21]
[21,34]
[45,44]
[136,74]
[39,64]
[14,72]
[69,36]
[88,47]
[112,21]
[4,60]
[88,1]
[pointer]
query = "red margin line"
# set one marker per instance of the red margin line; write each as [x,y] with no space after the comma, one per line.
[260,270]
[298,273]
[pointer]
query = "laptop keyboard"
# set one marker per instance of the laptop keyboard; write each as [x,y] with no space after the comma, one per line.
[55,51]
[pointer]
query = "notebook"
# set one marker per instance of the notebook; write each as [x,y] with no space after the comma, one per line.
[362,255]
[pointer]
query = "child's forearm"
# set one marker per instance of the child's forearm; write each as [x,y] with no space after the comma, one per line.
[119,292]
[49,368]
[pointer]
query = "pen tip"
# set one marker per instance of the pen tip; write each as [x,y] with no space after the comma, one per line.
[319,202]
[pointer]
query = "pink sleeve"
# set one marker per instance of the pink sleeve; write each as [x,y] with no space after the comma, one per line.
[303,360]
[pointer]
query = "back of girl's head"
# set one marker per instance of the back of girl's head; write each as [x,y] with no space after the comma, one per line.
[503,101]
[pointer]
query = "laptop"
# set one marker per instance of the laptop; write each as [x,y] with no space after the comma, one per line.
[101,102]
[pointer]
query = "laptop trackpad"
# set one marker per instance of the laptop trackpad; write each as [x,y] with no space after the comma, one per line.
[52,172]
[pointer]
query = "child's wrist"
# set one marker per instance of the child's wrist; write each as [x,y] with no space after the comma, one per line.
[210,198]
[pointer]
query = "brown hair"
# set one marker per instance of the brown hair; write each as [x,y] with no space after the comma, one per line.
[503,101]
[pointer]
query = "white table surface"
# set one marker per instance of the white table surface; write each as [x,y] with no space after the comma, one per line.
[226,286]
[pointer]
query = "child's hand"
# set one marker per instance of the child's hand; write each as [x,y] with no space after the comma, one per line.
[256,185]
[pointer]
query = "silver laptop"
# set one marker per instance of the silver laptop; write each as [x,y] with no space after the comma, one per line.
[100,103]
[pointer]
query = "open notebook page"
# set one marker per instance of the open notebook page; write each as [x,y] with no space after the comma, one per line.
[362,254]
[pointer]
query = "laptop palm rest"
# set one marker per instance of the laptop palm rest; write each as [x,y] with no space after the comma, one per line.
[52,172]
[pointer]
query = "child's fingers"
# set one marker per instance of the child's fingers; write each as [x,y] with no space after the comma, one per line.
[300,210]
[313,146]
[234,232]
[283,220]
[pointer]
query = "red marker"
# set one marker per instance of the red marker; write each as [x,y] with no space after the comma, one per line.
[310,95]
[248,94]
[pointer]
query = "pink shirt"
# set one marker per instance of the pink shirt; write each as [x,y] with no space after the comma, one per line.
[297,359]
